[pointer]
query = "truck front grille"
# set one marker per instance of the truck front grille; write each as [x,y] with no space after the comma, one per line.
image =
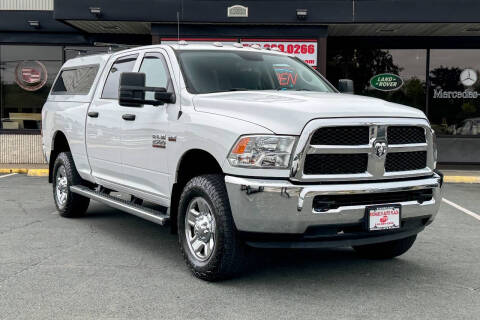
[405,135]
[336,163]
[404,161]
[329,202]
[350,135]
[372,149]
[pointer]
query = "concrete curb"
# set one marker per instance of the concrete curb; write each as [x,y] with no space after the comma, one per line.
[461,179]
[37,172]
[16,170]
[28,172]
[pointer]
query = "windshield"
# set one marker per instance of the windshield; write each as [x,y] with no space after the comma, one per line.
[219,71]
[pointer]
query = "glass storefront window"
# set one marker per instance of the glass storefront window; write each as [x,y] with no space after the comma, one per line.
[362,65]
[26,76]
[454,97]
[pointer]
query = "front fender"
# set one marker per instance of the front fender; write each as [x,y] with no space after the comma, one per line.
[212,133]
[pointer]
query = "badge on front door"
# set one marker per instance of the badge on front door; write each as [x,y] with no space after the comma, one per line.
[159,141]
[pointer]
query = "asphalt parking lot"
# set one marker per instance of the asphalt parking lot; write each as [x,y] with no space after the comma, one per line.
[112,265]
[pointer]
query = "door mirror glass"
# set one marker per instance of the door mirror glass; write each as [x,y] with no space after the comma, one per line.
[345,86]
[132,89]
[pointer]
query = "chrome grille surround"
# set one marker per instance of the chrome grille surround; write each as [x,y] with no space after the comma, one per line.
[376,165]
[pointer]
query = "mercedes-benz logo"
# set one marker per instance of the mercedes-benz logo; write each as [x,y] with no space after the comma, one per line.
[380,148]
[468,77]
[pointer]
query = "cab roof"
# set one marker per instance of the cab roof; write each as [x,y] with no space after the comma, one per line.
[101,59]
[218,46]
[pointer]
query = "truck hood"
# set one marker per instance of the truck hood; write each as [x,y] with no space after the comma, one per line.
[287,112]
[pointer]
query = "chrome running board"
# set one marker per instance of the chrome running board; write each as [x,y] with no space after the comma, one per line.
[123,205]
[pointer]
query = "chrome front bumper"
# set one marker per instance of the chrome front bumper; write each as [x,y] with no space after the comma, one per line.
[278,206]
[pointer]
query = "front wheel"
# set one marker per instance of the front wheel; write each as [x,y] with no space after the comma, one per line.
[206,231]
[386,250]
[65,175]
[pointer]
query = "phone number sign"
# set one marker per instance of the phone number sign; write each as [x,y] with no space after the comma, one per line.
[304,49]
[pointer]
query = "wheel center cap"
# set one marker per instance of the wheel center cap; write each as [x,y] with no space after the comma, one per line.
[203,229]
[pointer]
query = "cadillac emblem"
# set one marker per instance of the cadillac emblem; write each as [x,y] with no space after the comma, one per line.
[31,75]
[380,149]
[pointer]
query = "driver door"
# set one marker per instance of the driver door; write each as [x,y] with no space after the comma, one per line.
[104,123]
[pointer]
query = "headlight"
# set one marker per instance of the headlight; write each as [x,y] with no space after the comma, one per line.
[262,152]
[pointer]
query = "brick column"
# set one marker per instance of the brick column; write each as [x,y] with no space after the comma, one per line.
[322,56]
[156,39]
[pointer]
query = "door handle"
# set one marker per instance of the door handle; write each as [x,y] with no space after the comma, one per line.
[93,114]
[128,117]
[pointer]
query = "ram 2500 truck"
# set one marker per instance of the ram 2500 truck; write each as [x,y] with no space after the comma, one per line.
[238,147]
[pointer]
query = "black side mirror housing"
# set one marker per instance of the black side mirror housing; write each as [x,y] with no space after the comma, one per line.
[345,86]
[131,92]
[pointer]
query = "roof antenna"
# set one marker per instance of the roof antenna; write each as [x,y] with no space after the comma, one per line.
[178,26]
[179,88]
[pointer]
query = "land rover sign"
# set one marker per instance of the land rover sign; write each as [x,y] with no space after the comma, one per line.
[386,82]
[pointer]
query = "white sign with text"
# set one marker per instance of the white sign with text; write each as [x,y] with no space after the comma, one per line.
[304,49]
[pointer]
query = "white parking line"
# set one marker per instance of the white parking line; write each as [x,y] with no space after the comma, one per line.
[470,213]
[8,175]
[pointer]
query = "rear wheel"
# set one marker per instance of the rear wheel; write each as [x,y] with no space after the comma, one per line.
[65,175]
[386,250]
[206,231]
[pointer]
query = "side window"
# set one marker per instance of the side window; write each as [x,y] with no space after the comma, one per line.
[123,64]
[156,72]
[75,80]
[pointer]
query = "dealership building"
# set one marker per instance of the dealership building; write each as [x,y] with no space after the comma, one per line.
[431,50]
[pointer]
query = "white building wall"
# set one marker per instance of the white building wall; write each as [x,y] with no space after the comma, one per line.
[26,4]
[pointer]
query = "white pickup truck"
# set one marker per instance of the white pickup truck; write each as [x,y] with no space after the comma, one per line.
[238,147]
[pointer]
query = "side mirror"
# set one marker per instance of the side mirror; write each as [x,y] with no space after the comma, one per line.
[131,92]
[345,86]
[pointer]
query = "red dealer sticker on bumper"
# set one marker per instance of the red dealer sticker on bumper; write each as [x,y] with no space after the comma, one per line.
[383,217]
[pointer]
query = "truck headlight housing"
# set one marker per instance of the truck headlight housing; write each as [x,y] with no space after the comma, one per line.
[258,151]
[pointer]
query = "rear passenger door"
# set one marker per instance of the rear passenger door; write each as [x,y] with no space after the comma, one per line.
[104,123]
[144,138]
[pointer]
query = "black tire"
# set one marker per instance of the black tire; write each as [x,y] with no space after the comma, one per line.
[386,250]
[228,254]
[74,205]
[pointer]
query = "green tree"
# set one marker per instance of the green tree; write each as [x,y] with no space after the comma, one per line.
[360,65]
